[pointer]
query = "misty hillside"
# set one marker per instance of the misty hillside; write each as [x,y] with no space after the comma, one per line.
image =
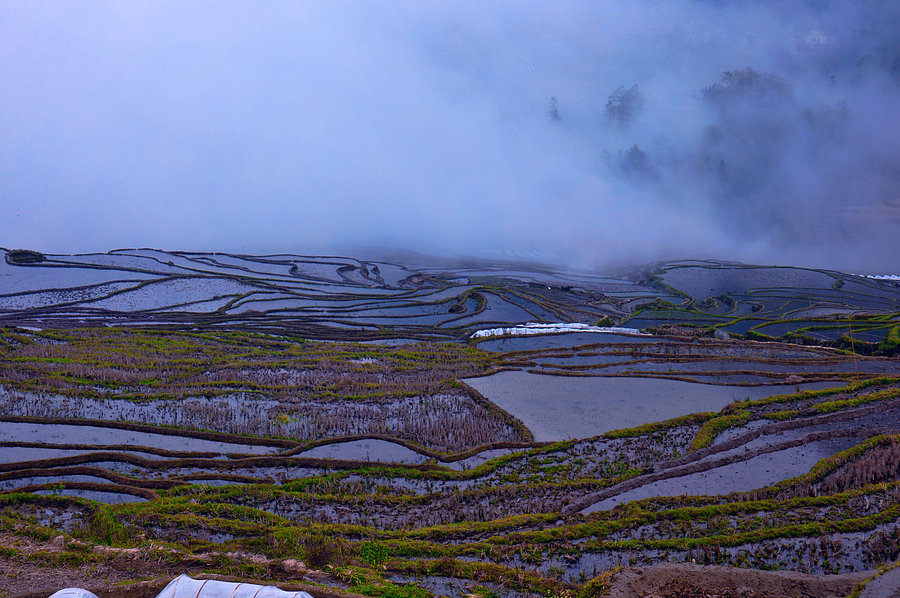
[589,134]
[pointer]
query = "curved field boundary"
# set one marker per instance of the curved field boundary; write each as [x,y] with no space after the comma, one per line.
[677,472]
[689,463]
[293,447]
[97,472]
[111,447]
[424,451]
[152,429]
[144,493]
[774,428]
[215,464]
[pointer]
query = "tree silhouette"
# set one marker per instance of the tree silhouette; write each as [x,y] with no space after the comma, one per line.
[553,109]
[624,104]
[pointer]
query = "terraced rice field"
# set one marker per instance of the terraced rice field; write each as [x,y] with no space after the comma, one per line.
[165,412]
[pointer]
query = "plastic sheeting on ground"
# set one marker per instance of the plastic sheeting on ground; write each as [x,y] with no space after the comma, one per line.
[532,328]
[187,587]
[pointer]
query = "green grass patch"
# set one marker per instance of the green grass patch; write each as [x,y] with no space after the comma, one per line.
[713,427]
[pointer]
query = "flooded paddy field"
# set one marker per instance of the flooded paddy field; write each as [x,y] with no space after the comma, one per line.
[328,297]
[236,413]
[445,420]
[762,470]
[103,435]
[559,408]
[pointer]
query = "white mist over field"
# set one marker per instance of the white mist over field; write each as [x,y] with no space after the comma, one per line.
[587,133]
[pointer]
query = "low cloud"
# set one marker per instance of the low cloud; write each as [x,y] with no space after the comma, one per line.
[589,133]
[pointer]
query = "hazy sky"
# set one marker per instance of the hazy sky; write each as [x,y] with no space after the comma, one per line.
[295,126]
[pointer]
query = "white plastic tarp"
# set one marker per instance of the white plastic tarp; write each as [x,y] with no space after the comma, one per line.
[186,587]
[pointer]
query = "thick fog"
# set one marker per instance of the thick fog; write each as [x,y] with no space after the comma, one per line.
[590,133]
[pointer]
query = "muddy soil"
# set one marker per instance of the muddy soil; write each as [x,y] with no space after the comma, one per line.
[710,581]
